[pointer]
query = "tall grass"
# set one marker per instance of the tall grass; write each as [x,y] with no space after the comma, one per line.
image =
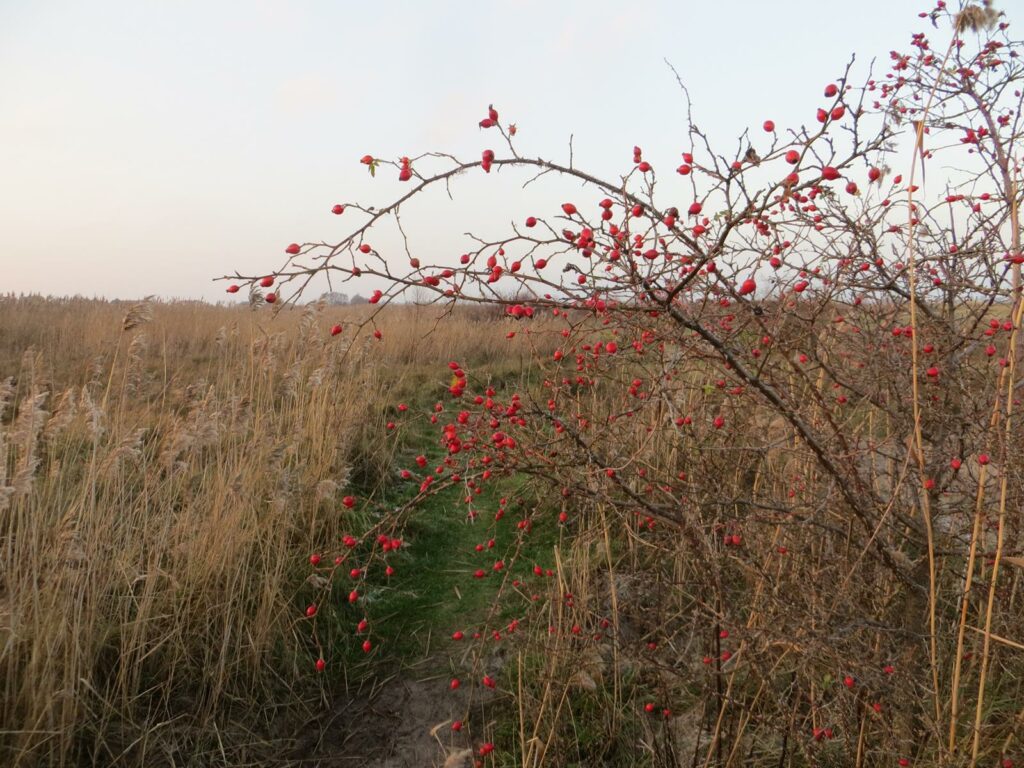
[165,470]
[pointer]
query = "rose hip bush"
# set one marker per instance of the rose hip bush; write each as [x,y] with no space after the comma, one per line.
[776,436]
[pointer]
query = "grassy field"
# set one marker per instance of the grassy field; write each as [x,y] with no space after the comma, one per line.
[200,502]
[168,470]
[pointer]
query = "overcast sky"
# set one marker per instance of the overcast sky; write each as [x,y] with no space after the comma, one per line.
[149,147]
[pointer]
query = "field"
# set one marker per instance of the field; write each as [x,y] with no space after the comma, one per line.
[180,477]
[172,468]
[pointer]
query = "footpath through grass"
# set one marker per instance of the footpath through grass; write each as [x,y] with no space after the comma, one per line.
[436,588]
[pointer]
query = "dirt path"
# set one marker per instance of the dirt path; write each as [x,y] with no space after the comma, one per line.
[405,723]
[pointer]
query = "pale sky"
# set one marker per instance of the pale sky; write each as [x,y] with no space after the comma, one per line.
[149,147]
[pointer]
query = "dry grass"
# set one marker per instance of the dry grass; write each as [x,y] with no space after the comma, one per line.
[163,480]
[161,483]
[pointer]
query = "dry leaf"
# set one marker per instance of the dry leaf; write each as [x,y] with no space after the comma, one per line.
[585,681]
